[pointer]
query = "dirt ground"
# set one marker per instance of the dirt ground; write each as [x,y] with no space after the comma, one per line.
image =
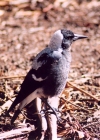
[26,28]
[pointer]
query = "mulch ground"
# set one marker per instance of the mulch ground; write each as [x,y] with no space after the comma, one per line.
[25,29]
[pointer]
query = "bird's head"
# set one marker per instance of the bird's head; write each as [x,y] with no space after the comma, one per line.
[64,38]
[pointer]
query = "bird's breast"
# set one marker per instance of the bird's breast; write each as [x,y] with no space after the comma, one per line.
[57,78]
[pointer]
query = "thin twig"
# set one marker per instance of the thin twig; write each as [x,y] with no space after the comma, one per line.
[10,77]
[81,90]
[74,104]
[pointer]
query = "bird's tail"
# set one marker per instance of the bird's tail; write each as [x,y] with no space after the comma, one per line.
[15,116]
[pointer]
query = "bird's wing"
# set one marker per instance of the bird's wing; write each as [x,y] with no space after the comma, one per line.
[37,75]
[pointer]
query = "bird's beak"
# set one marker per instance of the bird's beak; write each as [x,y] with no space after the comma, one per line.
[77,36]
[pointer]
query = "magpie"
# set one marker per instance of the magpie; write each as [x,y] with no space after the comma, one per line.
[49,73]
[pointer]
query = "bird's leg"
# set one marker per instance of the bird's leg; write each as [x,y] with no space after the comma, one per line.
[52,119]
[42,118]
[52,108]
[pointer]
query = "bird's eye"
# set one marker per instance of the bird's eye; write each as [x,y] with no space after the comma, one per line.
[68,37]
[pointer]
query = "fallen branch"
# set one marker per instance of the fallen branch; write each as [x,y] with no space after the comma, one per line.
[17,132]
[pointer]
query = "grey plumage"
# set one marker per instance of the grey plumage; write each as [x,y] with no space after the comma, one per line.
[49,73]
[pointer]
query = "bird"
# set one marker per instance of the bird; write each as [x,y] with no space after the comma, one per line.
[49,72]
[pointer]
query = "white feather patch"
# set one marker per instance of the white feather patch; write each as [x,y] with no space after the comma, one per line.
[37,79]
[58,52]
[58,34]
[56,40]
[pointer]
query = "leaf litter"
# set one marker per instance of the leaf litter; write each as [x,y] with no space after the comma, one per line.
[25,29]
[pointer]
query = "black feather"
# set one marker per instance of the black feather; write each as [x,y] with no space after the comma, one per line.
[29,85]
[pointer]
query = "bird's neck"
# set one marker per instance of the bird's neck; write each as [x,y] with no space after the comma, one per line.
[55,42]
[67,55]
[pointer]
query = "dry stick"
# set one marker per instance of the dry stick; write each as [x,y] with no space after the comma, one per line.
[84,92]
[74,104]
[16,132]
[18,76]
